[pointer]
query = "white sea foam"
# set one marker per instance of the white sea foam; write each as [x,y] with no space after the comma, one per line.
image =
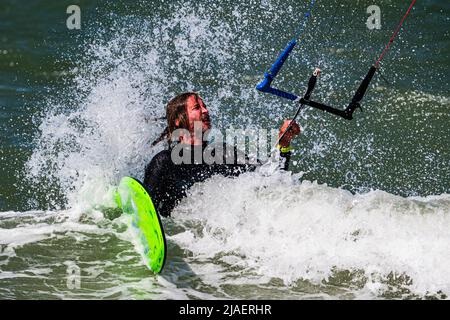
[292,231]
[39,228]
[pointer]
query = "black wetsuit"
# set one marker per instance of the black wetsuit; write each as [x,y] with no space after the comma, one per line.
[168,182]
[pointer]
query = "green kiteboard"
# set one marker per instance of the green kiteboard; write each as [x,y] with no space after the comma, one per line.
[134,200]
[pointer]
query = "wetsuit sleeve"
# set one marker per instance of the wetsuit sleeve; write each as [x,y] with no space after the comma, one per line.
[156,181]
[285,154]
[237,169]
[287,159]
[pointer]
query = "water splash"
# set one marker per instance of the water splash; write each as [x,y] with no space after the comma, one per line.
[292,231]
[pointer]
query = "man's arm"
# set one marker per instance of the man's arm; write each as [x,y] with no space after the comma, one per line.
[286,154]
[236,169]
[155,181]
[284,143]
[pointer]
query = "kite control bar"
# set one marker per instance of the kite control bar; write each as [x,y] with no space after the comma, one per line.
[354,104]
[347,113]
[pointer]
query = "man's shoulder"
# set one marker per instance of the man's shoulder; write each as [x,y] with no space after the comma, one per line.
[161,158]
[221,146]
[164,154]
[232,155]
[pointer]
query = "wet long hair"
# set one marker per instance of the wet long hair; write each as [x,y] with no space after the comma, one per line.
[176,109]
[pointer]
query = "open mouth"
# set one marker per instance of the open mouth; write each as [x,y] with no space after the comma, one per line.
[206,120]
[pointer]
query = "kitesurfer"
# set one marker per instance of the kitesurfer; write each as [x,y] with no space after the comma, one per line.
[168,180]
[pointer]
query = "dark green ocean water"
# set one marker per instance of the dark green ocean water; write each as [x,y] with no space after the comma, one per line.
[72,110]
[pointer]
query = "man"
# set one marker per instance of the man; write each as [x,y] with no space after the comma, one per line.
[167,180]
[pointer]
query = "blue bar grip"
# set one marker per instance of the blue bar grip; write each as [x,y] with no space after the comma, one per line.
[264,86]
[280,93]
[282,58]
